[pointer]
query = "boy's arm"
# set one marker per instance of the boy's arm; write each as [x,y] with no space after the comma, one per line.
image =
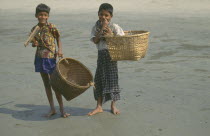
[95,36]
[59,44]
[96,39]
[56,35]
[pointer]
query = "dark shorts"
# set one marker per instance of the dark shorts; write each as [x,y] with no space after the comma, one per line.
[44,65]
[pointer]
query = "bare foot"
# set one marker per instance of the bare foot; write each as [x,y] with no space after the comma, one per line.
[95,111]
[115,111]
[51,113]
[64,114]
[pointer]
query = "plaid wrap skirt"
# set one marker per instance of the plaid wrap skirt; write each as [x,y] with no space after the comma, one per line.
[106,78]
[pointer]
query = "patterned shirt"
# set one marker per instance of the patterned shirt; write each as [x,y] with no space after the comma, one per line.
[46,37]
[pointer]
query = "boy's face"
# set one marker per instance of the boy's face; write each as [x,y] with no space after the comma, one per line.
[42,17]
[104,15]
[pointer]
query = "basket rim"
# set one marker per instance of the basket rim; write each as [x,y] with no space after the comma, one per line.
[74,85]
[133,35]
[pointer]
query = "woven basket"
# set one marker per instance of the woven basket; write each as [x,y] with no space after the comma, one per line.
[71,78]
[132,46]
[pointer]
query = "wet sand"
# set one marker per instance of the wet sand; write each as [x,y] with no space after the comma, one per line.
[164,94]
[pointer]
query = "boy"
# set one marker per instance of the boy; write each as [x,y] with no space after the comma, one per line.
[45,58]
[106,76]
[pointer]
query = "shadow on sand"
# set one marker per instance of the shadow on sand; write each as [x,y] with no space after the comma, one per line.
[36,112]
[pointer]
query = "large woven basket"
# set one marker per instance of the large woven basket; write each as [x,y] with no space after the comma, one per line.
[132,46]
[71,78]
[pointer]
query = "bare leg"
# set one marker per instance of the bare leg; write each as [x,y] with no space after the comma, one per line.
[46,81]
[98,108]
[60,102]
[114,110]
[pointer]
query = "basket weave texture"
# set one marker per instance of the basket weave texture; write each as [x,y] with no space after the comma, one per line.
[71,78]
[132,46]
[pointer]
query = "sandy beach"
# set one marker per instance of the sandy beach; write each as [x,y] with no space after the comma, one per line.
[165,94]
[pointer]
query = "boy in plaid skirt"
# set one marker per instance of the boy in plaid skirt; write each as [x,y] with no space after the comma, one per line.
[106,76]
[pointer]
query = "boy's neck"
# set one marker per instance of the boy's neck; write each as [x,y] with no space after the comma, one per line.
[42,24]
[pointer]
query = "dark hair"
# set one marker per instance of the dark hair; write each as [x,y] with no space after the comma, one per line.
[42,8]
[106,6]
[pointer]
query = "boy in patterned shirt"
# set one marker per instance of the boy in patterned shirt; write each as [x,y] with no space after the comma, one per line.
[45,58]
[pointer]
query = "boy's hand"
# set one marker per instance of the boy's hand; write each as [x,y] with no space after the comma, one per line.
[107,31]
[104,23]
[60,54]
[35,43]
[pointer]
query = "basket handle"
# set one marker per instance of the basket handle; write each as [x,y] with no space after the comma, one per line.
[92,84]
[64,59]
[60,58]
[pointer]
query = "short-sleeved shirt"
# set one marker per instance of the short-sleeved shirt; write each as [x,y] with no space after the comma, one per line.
[117,30]
[46,39]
